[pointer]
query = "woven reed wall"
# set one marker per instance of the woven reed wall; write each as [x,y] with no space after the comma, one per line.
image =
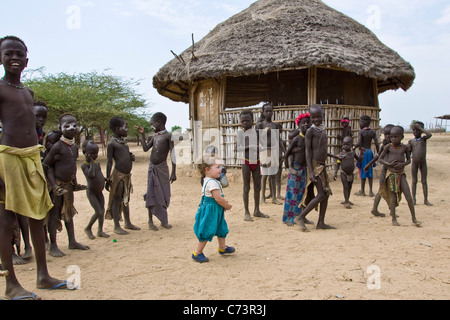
[286,115]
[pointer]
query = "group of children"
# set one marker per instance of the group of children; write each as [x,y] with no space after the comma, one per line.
[308,183]
[38,177]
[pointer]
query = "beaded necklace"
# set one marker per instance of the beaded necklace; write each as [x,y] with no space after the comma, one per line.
[121,141]
[398,146]
[162,132]
[68,142]
[13,85]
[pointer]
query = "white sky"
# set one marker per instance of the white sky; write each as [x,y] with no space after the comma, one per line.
[133,38]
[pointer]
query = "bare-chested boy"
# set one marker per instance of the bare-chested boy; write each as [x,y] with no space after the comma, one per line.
[365,137]
[346,129]
[418,148]
[272,150]
[118,179]
[346,161]
[396,156]
[62,159]
[248,143]
[316,146]
[23,188]
[157,198]
[95,185]
[40,111]
[386,141]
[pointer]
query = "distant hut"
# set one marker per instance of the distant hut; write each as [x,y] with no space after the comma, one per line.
[292,53]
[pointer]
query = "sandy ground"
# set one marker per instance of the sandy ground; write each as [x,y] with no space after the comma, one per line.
[273,261]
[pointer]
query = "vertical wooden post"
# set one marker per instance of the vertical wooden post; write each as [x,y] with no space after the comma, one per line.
[192,116]
[312,85]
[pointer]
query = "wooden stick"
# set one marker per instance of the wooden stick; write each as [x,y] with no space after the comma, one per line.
[193,55]
[179,58]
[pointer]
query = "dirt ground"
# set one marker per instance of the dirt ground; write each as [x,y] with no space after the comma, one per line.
[272,261]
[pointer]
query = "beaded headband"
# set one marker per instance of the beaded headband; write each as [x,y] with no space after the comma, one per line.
[301,117]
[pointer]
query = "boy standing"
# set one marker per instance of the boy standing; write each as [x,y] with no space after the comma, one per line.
[346,161]
[418,148]
[393,157]
[62,161]
[20,191]
[248,143]
[365,137]
[157,198]
[271,154]
[316,146]
[118,182]
[386,141]
[346,129]
[40,111]
[95,185]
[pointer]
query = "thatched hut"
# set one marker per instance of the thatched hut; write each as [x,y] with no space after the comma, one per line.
[292,53]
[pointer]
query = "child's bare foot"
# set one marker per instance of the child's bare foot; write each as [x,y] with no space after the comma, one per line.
[28,253]
[18,260]
[427,203]
[395,223]
[324,226]
[417,223]
[247,217]
[152,226]
[166,226]
[131,226]
[120,231]
[55,252]
[77,246]
[301,223]
[360,193]
[371,194]
[376,213]
[347,206]
[259,214]
[89,233]
[101,234]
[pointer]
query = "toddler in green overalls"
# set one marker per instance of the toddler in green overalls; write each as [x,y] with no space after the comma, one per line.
[210,217]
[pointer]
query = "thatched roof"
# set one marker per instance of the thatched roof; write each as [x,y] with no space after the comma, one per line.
[273,35]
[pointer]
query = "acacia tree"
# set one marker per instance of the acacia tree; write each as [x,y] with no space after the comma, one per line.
[93,98]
